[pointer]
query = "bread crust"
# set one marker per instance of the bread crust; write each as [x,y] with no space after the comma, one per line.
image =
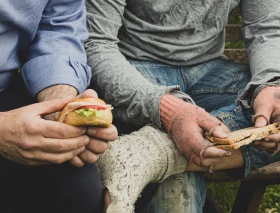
[76,119]
[242,137]
[101,118]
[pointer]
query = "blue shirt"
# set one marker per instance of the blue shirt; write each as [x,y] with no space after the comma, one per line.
[45,39]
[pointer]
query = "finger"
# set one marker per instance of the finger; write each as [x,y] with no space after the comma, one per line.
[266,149]
[273,137]
[211,161]
[219,132]
[51,145]
[260,121]
[106,134]
[77,161]
[49,107]
[57,158]
[52,129]
[52,117]
[262,109]
[89,93]
[213,152]
[264,146]
[88,156]
[210,124]
[97,146]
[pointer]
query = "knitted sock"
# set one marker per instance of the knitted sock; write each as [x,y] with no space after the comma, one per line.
[132,161]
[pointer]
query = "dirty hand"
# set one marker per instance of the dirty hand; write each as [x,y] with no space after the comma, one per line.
[267,110]
[186,124]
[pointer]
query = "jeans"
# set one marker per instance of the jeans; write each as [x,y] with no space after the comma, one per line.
[215,86]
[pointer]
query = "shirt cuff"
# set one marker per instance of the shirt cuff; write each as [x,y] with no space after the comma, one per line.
[252,90]
[48,70]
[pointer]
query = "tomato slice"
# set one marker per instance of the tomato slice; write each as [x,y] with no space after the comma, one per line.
[93,107]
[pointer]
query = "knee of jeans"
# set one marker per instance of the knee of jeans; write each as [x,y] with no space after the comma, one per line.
[83,191]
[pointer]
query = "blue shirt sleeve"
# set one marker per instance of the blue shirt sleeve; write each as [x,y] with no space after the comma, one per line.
[57,55]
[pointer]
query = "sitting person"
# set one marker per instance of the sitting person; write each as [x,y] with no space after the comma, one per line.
[46,166]
[162,63]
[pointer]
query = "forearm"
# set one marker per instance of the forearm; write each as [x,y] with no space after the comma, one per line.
[134,98]
[57,91]
[57,55]
[262,41]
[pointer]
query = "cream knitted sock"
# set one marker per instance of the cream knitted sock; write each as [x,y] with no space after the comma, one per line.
[133,161]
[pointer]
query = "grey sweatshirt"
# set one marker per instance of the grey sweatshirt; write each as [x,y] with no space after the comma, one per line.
[175,32]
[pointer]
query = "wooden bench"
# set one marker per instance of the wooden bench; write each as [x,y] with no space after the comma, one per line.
[252,188]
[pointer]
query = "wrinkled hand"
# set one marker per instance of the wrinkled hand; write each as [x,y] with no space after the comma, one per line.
[187,127]
[27,138]
[267,110]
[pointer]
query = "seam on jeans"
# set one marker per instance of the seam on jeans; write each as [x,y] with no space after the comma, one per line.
[237,79]
[185,80]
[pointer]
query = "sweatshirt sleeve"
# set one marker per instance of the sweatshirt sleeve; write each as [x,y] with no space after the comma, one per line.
[261,30]
[57,54]
[134,98]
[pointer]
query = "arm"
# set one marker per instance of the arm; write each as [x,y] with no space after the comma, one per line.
[262,40]
[135,99]
[57,55]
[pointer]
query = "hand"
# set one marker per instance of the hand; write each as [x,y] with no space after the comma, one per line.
[86,94]
[98,144]
[267,110]
[186,124]
[27,138]
[99,138]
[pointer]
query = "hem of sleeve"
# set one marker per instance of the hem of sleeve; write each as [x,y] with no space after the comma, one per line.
[250,92]
[48,70]
[175,91]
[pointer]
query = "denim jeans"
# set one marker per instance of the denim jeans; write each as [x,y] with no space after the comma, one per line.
[215,86]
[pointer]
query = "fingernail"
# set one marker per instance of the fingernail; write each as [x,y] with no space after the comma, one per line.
[84,131]
[86,141]
[82,149]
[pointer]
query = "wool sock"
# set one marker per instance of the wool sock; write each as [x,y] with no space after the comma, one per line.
[132,161]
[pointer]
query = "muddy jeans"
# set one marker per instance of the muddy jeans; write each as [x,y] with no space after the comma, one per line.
[213,85]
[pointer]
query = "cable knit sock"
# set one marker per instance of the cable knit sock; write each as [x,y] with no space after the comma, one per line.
[132,161]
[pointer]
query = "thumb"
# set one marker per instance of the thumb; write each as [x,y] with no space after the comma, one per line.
[89,93]
[52,106]
[262,113]
[260,121]
[210,124]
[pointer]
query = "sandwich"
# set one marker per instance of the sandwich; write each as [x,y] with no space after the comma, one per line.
[242,137]
[87,112]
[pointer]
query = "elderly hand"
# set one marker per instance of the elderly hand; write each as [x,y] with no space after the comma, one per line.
[186,125]
[267,110]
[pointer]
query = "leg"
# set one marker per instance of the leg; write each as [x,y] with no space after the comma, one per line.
[178,194]
[193,194]
[133,161]
[51,188]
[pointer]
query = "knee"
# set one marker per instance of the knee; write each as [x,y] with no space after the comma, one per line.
[83,193]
